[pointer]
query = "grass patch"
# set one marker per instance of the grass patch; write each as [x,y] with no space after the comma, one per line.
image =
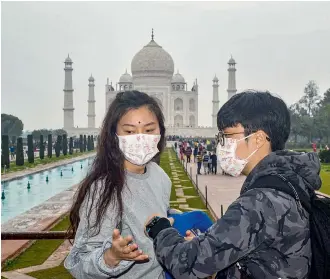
[184,181]
[39,251]
[58,272]
[38,161]
[325,176]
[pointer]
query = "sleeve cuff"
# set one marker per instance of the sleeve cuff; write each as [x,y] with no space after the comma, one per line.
[111,271]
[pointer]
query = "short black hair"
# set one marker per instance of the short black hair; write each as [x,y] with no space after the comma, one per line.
[257,110]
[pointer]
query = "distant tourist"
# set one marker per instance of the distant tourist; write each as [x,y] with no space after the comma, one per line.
[314,146]
[199,159]
[214,159]
[326,147]
[188,153]
[195,153]
[206,158]
[267,232]
[121,189]
[12,152]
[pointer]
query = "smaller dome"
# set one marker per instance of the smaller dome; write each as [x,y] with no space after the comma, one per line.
[127,78]
[215,79]
[91,78]
[231,60]
[178,78]
[68,59]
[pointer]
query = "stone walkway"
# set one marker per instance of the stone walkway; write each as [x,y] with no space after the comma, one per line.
[221,189]
[39,168]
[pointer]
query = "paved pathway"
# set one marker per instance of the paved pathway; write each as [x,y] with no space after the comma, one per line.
[221,189]
[39,168]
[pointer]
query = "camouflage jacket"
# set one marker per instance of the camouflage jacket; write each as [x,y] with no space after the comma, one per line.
[263,232]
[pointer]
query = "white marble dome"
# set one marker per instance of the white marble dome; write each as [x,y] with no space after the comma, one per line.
[152,60]
[125,78]
[178,78]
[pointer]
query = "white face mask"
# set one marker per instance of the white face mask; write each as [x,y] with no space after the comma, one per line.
[139,149]
[227,157]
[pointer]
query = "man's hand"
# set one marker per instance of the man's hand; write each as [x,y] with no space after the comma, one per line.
[189,236]
[121,249]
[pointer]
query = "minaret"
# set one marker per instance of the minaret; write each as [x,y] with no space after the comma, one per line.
[68,95]
[215,101]
[231,78]
[91,103]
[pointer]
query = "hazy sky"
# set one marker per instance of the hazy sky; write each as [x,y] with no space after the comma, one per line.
[278,46]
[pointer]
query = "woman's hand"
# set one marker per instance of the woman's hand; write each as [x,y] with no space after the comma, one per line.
[121,249]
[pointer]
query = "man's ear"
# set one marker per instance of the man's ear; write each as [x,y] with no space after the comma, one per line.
[260,138]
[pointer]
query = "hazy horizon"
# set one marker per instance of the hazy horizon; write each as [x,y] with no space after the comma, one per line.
[278,46]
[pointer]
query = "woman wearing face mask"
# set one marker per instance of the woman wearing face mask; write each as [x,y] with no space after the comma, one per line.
[119,192]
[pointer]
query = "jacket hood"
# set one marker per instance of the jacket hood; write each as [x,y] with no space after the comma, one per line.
[301,169]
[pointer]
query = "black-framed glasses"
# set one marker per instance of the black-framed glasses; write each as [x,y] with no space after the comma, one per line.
[221,136]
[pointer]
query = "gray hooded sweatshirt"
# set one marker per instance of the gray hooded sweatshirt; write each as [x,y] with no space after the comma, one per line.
[144,194]
[264,230]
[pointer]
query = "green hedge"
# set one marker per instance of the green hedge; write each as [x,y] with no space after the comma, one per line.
[58,146]
[81,143]
[30,149]
[85,143]
[50,146]
[42,148]
[5,151]
[71,146]
[325,156]
[65,145]
[19,152]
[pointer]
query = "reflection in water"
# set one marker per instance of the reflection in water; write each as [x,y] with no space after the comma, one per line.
[19,199]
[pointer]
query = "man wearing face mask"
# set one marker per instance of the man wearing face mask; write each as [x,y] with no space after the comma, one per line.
[265,232]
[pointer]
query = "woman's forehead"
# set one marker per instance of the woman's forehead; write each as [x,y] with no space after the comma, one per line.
[142,114]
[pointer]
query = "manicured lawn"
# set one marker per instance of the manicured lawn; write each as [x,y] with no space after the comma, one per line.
[38,161]
[184,182]
[38,252]
[325,176]
[58,272]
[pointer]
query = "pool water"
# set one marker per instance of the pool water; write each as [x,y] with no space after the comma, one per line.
[18,198]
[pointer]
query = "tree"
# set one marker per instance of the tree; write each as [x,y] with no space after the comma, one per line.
[71,146]
[311,97]
[30,149]
[81,143]
[58,146]
[5,151]
[42,148]
[326,98]
[50,146]
[59,132]
[65,145]
[11,125]
[85,143]
[36,133]
[19,152]
[89,143]
[92,141]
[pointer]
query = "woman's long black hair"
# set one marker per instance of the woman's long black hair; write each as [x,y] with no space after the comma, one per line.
[107,173]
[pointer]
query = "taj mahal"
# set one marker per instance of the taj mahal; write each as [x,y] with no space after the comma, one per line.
[152,71]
